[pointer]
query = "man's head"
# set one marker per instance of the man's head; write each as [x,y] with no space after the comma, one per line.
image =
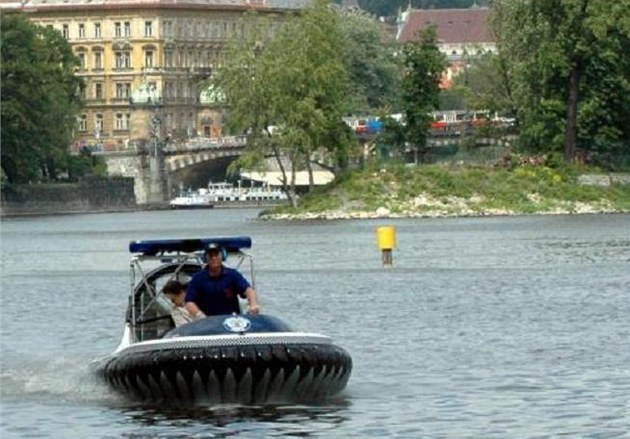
[215,255]
[214,249]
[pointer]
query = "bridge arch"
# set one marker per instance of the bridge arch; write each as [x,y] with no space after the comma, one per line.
[158,175]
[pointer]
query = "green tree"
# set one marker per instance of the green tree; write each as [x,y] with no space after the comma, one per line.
[424,64]
[485,84]
[39,101]
[291,76]
[374,69]
[390,142]
[570,72]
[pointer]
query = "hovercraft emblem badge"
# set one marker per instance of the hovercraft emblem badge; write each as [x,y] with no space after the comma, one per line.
[237,324]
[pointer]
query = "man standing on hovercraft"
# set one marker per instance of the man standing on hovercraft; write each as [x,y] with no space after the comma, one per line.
[215,289]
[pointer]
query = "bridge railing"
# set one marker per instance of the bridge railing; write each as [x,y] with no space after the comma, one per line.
[201,143]
[191,145]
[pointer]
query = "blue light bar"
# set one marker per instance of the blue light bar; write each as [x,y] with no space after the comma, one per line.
[231,244]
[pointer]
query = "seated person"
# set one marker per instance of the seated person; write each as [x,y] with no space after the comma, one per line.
[176,292]
[215,289]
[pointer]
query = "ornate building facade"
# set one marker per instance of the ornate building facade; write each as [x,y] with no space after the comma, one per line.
[144,62]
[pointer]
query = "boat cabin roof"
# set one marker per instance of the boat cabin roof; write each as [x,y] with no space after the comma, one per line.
[220,185]
[231,244]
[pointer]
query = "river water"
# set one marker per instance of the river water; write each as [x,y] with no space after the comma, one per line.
[514,327]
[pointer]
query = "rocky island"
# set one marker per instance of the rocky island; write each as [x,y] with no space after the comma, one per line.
[403,191]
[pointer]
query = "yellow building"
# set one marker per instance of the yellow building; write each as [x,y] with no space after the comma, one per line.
[144,61]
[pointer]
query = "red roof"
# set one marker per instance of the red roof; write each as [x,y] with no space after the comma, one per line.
[453,25]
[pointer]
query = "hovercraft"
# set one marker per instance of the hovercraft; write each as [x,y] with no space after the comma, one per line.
[239,358]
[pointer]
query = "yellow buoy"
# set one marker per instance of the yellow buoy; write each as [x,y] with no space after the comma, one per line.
[386,238]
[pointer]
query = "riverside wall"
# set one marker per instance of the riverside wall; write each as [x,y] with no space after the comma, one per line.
[90,194]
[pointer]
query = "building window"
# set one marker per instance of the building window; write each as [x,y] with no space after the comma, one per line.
[168,59]
[123,60]
[123,90]
[81,60]
[98,124]
[81,30]
[98,90]
[65,31]
[82,123]
[117,29]
[97,30]
[122,121]
[98,60]
[148,58]
[127,29]
[148,28]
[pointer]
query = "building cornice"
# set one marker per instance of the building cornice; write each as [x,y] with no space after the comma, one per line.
[44,6]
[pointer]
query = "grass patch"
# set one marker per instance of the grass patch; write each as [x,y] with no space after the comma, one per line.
[451,188]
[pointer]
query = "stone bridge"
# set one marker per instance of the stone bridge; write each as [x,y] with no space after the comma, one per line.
[194,152]
[158,170]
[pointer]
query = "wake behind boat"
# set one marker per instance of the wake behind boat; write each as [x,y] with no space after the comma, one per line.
[249,359]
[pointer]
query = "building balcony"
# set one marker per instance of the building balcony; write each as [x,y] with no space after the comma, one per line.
[150,102]
[121,43]
[201,71]
[151,70]
[95,102]
[120,100]
[122,70]
[172,101]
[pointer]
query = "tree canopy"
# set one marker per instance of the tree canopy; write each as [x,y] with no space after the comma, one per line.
[568,70]
[424,64]
[374,68]
[39,101]
[287,86]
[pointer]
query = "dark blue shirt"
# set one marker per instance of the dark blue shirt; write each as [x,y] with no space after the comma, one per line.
[216,295]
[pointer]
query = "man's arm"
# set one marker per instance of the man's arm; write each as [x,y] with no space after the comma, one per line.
[252,299]
[191,306]
[194,310]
